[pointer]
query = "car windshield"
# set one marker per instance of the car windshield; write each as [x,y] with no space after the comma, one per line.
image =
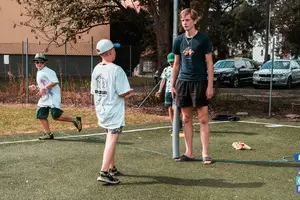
[277,65]
[224,64]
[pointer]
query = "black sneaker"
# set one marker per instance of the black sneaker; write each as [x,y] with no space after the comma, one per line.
[47,136]
[114,171]
[78,124]
[107,178]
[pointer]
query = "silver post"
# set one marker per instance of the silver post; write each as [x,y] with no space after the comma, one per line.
[66,64]
[175,129]
[130,55]
[27,81]
[92,64]
[271,81]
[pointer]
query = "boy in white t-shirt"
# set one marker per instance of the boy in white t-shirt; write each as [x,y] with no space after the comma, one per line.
[109,85]
[50,97]
[166,77]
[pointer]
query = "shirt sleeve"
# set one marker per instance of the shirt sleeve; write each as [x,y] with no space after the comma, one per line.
[122,84]
[207,46]
[163,74]
[52,77]
[176,46]
[93,84]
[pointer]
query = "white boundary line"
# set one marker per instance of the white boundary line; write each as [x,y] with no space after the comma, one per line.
[263,123]
[96,134]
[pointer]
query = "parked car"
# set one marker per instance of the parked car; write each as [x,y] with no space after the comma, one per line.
[234,72]
[285,73]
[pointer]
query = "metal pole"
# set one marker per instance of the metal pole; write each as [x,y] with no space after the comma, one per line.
[175,137]
[271,81]
[268,21]
[92,63]
[66,64]
[130,55]
[22,78]
[27,81]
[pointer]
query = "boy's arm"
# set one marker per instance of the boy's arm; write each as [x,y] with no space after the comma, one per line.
[126,93]
[210,73]
[161,86]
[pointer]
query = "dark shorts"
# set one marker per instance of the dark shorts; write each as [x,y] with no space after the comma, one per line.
[43,112]
[114,131]
[168,99]
[191,93]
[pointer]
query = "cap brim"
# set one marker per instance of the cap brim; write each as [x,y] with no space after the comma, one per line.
[39,59]
[117,45]
[171,60]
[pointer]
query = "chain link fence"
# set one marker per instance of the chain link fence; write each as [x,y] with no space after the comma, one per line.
[73,64]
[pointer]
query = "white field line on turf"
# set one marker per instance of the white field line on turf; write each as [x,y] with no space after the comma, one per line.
[95,134]
[263,123]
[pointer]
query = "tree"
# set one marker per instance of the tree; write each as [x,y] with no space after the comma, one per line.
[288,24]
[59,21]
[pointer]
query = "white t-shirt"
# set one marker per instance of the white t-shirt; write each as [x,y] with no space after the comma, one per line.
[167,74]
[108,82]
[52,96]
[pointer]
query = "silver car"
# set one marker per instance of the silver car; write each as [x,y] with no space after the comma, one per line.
[285,73]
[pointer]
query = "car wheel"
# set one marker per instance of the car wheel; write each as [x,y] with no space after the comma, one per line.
[235,82]
[289,83]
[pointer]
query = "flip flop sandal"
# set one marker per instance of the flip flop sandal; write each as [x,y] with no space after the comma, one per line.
[184,158]
[207,160]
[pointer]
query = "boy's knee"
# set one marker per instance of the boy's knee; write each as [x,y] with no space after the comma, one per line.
[203,119]
[186,119]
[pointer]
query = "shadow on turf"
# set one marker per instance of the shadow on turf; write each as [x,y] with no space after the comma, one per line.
[231,132]
[88,140]
[220,183]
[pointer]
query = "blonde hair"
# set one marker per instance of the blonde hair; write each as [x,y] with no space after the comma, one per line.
[189,11]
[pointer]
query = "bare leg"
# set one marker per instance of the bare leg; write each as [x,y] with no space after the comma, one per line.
[204,129]
[187,114]
[171,113]
[65,118]
[109,151]
[45,125]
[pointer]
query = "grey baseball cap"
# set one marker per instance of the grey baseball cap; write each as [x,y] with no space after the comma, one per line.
[40,56]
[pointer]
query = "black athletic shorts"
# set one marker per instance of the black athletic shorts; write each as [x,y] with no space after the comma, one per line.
[191,93]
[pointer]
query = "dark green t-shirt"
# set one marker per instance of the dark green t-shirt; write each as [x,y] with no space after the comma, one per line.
[192,56]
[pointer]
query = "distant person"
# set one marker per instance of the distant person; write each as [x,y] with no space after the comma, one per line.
[109,85]
[192,81]
[50,97]
[156,77]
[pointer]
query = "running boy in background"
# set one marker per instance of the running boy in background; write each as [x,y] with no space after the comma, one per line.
[50,97]
[166,77]
[109,85]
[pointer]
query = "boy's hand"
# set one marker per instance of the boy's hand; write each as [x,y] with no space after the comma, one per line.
[173,91]
[157,94]
[209,92]
[32,88]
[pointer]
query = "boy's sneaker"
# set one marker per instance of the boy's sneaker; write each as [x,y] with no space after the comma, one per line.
[107,178]
[114,171]
[47,136]
[77,123]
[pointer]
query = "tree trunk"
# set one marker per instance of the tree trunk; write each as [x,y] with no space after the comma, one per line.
[162,30]
[204,15]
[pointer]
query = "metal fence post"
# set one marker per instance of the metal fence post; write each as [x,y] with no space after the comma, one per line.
[271,81]
[27,81]
[130,61]
[92,64]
